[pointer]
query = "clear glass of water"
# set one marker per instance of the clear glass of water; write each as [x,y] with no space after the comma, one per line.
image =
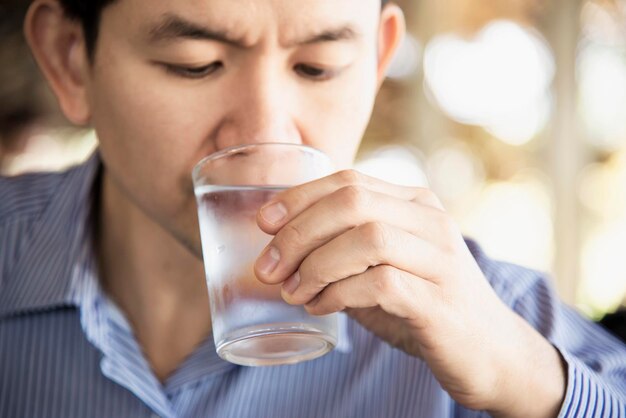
[252,325]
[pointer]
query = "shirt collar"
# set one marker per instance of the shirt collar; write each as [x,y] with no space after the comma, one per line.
[41,278]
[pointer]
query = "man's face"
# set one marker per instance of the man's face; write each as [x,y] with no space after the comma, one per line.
[176,80]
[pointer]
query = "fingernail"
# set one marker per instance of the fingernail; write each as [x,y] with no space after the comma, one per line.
[292,283]
[268,261]
[274,212]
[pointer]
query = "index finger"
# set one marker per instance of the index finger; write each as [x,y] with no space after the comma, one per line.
[288,204]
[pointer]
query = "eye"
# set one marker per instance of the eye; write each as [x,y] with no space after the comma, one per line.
[194,72]
[313,73]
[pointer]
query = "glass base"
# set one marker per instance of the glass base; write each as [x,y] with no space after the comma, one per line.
[275,345]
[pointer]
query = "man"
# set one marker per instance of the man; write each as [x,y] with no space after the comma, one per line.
[103,303]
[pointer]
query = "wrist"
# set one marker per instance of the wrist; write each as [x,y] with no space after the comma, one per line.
[534,384]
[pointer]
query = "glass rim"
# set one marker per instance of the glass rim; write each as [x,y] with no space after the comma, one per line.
[236,148]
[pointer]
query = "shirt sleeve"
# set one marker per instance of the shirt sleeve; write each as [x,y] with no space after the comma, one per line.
[595,359]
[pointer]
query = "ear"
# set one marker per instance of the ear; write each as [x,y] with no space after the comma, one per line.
[390,33]
[58,45]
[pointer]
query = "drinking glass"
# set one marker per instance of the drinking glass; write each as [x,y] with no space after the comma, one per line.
[252,325]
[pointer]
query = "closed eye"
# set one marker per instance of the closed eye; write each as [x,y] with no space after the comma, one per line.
[194,72]
[314,73]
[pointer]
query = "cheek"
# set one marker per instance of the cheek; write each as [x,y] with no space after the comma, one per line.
[150,138]
[146,117]
[342,112]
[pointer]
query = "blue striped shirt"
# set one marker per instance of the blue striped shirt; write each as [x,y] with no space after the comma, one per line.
[66,350]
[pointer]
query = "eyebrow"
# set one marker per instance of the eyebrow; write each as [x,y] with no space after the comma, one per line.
[173,27]
[345,33]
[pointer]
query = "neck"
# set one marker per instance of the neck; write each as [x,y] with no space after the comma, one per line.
[155,280]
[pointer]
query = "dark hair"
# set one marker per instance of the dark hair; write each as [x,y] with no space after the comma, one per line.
[88,13]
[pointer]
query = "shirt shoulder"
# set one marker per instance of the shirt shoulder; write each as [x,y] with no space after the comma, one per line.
[26,197]
[42,217]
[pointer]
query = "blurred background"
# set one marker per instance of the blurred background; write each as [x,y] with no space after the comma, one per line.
[513,111]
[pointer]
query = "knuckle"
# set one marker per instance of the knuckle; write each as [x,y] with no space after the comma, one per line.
[293,235]
[332,299]
[428,197]
[376,235]
[387,280]
[423,193]
[353,197]
[349,176]
[312,270]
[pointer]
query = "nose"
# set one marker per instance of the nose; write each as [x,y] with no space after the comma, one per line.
[260,109]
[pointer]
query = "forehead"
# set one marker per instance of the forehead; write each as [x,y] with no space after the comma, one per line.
[250,19]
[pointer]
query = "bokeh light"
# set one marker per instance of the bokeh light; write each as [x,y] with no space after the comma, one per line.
[603,194]
[513,221]
[499,79]
[455,172]
[394,164]
[51,150]
[603,284]
[603,187]
[602,78]
[601,71]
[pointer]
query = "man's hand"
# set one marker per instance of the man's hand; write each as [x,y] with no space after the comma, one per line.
[393,259]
